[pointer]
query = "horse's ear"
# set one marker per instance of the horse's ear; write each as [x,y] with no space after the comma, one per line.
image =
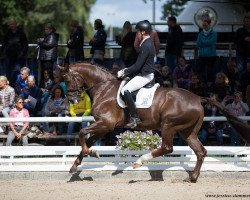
[64,69]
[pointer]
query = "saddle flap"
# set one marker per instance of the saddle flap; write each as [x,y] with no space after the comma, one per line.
[144,96]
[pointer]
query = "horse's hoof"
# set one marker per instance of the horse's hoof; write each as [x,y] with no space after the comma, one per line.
[73,169]
[189,180]
[94,153]
[136,165]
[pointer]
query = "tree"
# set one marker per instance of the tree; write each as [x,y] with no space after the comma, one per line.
[33,14]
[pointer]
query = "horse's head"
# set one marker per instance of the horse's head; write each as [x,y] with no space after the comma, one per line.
[74,83]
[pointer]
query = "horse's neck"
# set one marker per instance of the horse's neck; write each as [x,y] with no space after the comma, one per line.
[95,78]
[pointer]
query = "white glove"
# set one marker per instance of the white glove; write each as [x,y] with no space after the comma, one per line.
[120,73]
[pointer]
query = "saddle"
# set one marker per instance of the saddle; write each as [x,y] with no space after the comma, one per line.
[143,97]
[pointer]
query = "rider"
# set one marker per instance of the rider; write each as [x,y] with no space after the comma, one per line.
[142,71]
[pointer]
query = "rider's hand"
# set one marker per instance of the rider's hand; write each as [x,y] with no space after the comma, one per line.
[120,73]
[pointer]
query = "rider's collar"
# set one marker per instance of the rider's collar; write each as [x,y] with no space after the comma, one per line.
[146,37]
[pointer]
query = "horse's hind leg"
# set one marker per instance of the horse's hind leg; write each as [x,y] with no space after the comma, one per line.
[166,146]
[199,150]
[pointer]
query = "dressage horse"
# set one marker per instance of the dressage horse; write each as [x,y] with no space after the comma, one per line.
[173,110]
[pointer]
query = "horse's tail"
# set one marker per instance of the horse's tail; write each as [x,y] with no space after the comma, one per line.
[238,124]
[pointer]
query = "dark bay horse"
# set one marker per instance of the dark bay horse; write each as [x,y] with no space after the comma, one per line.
[172,111]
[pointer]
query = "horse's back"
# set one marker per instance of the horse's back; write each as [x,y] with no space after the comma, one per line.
[174,102]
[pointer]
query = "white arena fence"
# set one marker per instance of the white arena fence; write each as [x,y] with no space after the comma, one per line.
[87,119]
[61,158]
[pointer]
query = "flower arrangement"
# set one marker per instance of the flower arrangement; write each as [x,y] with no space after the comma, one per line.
[138,140]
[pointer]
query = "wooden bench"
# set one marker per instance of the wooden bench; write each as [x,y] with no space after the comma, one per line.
[60,158]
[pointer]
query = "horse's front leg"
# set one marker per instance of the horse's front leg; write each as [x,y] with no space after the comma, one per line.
[85,150]
[97,131]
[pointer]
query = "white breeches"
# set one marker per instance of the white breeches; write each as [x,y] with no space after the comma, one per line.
[137,82]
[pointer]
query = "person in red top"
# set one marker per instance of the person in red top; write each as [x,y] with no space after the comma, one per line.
[18,130]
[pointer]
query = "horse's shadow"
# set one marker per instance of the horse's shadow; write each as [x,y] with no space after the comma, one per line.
[155,175]
[75,177]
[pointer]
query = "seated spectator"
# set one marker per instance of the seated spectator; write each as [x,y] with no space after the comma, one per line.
[212,127]
[32,95]
[245,80]
[46,86]
[18,130]
[232,73]
[58,81]
[196,86]
[167,77]
[7,97]
[57,105]
[238,108]
[182,73]
[21,81]
[220,87]
[82,108]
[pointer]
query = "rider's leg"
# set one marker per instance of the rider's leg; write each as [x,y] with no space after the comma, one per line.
[134,84]
[131,108]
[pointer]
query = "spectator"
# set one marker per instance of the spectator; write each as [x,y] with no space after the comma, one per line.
[158,73]
[115,68]
[238,108]
[233,75]
[18,129]
[15,47]
[98,42]
[47,48]
[7,96]
[21,81]
[75,43]
[242,41]
[212,127]
[245,80]
[182,73]
[82,108]
[46,86]
[174,43]
[58,81]
[57,105]
[206,42]
[196,86]
[32,95]
[126,40]
[167,77]
[220,87]
[155,38]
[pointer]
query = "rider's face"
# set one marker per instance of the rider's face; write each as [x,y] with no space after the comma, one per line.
[139,35]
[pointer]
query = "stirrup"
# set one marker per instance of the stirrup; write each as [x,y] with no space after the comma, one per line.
[133,123]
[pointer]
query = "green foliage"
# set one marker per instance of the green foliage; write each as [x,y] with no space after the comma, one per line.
[173,8]
[33,14]
[138,140]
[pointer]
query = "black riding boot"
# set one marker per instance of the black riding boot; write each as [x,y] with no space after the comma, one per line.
[132,109]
